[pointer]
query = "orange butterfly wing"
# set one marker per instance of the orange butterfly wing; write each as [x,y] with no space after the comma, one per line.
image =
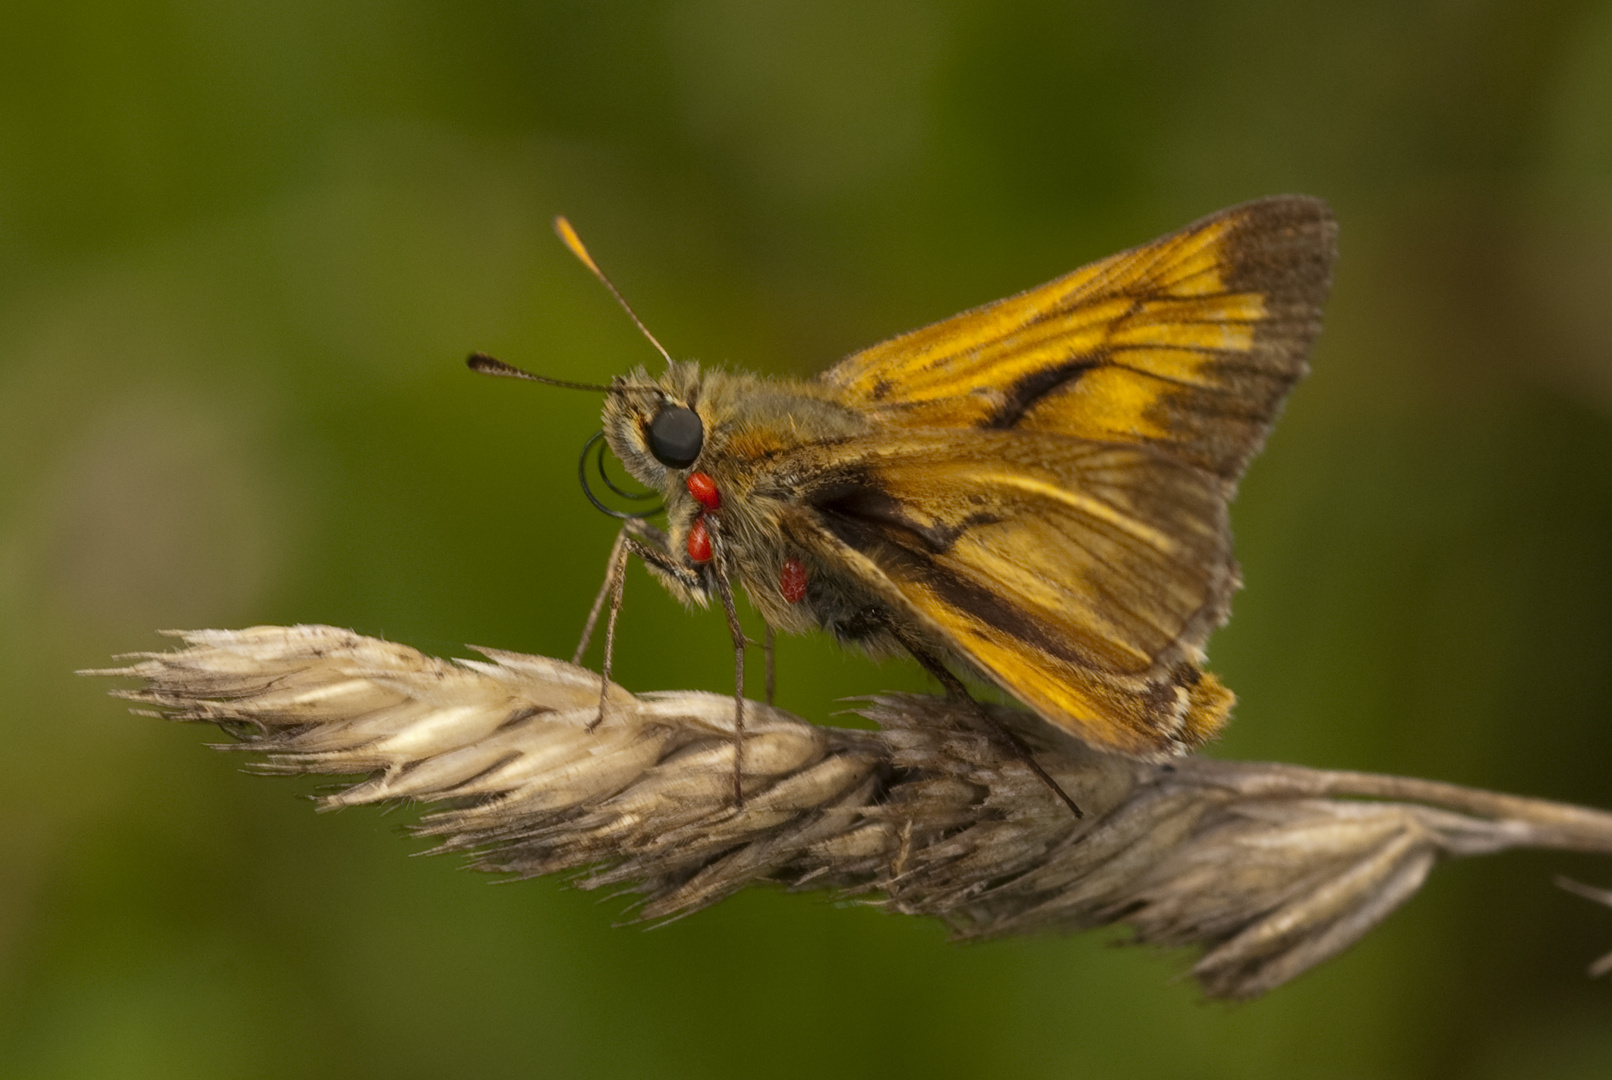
[1189,343]
[1046,484]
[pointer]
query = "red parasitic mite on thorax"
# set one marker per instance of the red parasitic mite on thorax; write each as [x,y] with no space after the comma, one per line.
[699,541]
[704,489]
[792,580]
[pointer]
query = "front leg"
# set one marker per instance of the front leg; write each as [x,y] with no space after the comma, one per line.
[650,545]
[607,588]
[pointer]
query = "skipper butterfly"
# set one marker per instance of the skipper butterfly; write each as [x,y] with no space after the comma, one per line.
[1035,489]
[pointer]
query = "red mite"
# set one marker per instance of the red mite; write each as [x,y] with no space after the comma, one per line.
[704,490]
[792,581]
[699,541]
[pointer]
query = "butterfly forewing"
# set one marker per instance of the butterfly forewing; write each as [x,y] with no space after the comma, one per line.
[1046,485]
[1189,343]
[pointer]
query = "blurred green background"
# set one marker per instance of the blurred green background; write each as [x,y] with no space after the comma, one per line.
[244,248]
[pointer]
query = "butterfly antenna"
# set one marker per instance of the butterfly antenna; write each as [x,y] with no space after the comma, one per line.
[482,364]
[569,237]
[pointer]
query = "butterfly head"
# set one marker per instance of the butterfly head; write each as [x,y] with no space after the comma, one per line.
[656,426]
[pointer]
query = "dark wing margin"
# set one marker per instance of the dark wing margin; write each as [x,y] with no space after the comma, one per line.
[1282,249]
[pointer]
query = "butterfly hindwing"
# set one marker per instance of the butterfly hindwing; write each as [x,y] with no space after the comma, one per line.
[1083,577]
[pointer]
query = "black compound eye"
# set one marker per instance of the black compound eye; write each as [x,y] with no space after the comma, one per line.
[675,436]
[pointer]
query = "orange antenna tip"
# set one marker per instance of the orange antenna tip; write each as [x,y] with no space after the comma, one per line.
[568,236]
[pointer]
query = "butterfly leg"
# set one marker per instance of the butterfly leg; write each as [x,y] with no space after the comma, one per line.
[767,645]
[615,583]
[614,566]
[958,692]
[739,642]
[649,544]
